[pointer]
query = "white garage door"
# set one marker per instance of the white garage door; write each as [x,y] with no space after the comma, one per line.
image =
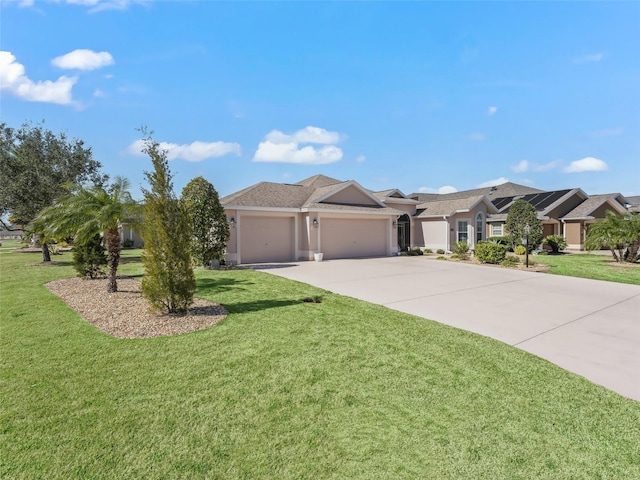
[266,239]
[342,238]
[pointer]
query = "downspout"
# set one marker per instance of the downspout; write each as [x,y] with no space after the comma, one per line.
[448,227]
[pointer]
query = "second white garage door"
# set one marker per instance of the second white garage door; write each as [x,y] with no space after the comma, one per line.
[346,238]
[266,239]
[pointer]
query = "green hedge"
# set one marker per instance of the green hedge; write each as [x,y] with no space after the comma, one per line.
[490,252]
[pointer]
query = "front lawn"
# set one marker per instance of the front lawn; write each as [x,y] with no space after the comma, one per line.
[288,389]
[597,267]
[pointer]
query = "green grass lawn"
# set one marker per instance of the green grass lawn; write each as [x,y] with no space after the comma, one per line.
[598,267]
[288,390]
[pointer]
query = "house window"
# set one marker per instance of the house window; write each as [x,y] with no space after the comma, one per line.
[479,228]
[463,234]
[496,229]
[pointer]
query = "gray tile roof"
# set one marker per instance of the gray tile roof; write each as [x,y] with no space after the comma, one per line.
[446,207]
[318,181]
[297,196]
[584,210]
[508,189]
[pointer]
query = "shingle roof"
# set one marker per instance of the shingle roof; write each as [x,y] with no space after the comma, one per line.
[267,194]
[584,210]
[318,181]
[282,195]
[508,189]
[447,207]
[634,204]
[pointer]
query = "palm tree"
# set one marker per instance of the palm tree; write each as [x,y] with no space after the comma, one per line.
[620,234]
[86,212]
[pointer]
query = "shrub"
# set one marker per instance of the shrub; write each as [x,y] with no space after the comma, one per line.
[412,253]
[556,242]
[510,261]
[519,250]
[500,240]
[90,258]
[490,252]
[461,248]
[441,257]
[417,250]
[455,256]
[522,213]
[440,251]
[127,243]
[427,250]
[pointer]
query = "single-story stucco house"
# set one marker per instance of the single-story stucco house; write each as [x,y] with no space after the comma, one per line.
[280,222]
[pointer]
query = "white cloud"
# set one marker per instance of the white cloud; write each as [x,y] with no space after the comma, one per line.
[477,136]
[83,59]
[26,3]
[14,80]
[492,111]
[306,135]
[442,190]
[606,132]
[193,152]
[291,153]
[526,166]
[285,148]
[98,93]
[591,57]
[587,164]
[361,159]
[494,182]
[522,166]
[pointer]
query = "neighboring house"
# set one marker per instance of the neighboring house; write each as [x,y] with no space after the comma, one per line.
[131,236]
[577,221]
[279,222]
[275,222]
[550,206]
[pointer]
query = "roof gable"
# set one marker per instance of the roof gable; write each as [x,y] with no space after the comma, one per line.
[318,181]
[346,193]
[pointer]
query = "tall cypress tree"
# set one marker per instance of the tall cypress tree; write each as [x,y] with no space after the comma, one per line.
[168,282]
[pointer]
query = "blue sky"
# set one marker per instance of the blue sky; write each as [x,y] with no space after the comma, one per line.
[420,96]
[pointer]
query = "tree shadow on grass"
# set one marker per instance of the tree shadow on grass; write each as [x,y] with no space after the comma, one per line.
[258,305]
[124,260]
[219,285]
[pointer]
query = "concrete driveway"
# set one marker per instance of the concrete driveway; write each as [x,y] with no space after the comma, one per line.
[588,327]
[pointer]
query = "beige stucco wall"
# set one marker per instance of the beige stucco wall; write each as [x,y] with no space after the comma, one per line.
[232,244]
[410,209]
[573,234]
[601,211]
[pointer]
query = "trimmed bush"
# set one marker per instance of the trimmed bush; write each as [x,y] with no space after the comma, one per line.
[415,251]
[490,252]
[440,251]
[427,250]
[90,258]
[441,257]
[519,250]
[461,248]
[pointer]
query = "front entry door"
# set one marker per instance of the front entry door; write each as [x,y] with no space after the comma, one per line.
[404,233]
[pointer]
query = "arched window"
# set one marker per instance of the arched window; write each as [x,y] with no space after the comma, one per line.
[479,228]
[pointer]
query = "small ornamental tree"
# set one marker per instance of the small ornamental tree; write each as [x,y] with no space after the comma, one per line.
[210,230]
[168,282]
[90,258]
[557,243]
[522,213]
[620,234]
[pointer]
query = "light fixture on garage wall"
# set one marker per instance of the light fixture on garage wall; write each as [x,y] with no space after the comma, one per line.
[395,224]
[232,222]
[315,223]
